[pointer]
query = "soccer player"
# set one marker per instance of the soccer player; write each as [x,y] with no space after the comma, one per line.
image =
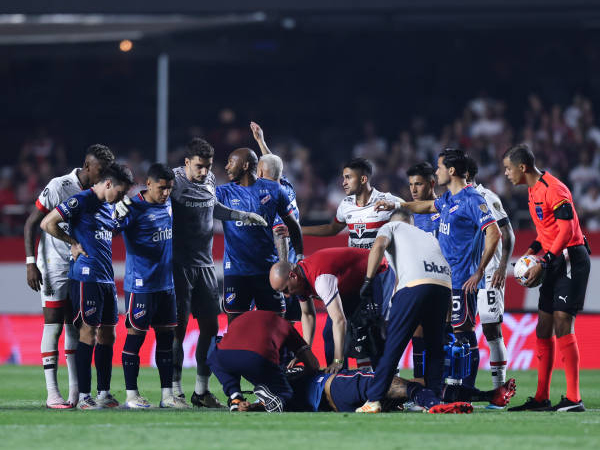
[565,268]
[249,250]
[251,349]
[91,279]
[149,290]
[468,236]
[357,210]
[490,301]
[421,180]
[421,296]
[335,276]
[194,207]
[49,274]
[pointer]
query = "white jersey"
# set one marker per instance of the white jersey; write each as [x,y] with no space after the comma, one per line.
[495,206]
[363,221]
[53,252]
[415,256]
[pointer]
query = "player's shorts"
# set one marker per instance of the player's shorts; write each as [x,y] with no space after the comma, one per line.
[55,287]
[94,303]
[196,291]
[158,309]
[464,307]
[490,302]
[240,291]
[565,282]
[349,389]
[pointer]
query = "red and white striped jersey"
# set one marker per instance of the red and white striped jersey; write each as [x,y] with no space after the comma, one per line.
[363,221]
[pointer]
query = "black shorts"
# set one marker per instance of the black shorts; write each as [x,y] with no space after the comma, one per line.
[240,291]
[94,304]
[565,282]
[150,308]
[464,307]
[196,291]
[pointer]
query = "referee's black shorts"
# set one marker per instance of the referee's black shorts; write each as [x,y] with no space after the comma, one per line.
[565,282]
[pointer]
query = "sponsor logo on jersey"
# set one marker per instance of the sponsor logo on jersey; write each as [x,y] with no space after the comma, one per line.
[194,204]
[435,217]
[162,235]
[235,201]
[454,208]
[434,268]
[485,218]
[66,183]
[103,234]
[151,217]
[539,212]
[444,228]
[497,205]
[72,202]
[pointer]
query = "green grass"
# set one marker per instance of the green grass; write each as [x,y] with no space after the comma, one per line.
[25,423]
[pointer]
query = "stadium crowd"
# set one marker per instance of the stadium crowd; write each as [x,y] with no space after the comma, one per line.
[565,138]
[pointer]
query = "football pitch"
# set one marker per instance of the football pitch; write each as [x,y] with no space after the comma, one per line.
[26,423]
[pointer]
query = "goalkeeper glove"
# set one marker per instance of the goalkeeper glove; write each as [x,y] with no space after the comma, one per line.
[250,218]
[121,208]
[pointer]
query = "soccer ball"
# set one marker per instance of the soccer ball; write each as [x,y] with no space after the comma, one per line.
[523,264]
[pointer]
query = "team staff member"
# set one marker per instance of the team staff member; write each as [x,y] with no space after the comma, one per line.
[357,210]
[50,275]
[468,236]
[91,278]
[566,265]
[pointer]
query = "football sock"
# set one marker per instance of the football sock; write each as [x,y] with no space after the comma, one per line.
[131,394]
[202,348]
[131,360]
[569,351]
[201,384]
[545,357]
[471,338]
[177,365]
[421,395]
[164,357]
[498,361]
[83,359]
[49,350]
[364,364]
[103,358]
[166,393]
[71,340]
[418,344]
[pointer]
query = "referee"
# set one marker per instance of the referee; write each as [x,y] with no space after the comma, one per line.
[566,265]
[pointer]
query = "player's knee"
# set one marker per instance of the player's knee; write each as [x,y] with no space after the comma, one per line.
[87,334]
[564,323]
[53,315]
[545,326]
[492,331]
[107,335]
[133,343]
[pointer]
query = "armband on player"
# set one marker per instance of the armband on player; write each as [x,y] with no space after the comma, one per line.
[536,246]
[564,212]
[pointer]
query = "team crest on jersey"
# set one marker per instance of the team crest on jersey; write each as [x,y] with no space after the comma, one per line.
[454,208]
[497,206]
[360,228]
[45,192]
[139,314]
[483,207]
[265,199]
[72,203]
[229,298]
[66,183]
[539,212]
[90,311]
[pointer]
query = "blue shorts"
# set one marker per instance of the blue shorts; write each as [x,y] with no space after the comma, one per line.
[240,291]
[94,303]
[150,308]
[464,307]
[349,389]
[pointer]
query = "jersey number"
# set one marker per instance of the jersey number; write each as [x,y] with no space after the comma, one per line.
[491,295]
[455,303]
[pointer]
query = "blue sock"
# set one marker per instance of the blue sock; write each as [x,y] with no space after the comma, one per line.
[103,359]
[131,360]
[418,356]
[83,361]
[421,395]
[164,357]
[471,338]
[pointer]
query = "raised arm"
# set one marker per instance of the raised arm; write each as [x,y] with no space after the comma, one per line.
[259,136]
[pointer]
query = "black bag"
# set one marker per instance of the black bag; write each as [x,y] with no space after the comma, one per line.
[365,333]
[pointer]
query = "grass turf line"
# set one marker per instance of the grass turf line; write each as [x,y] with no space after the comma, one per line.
[25,423]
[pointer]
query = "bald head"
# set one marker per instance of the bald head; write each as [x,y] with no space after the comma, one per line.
[246,155]
[280,272]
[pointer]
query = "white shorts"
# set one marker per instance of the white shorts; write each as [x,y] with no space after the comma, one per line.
[490,302]
[55,287]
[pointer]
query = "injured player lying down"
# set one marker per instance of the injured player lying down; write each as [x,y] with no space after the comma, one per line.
[347,390]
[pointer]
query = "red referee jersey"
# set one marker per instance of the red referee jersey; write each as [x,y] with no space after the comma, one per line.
[337,270]
[262,332]
[548,194]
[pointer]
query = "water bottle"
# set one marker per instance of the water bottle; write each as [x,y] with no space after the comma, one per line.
[458,360]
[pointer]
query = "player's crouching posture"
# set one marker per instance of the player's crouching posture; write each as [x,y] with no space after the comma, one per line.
[50,275]
[91,278]
[149,289]
[566,265]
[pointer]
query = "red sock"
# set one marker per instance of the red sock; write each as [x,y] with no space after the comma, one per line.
[570,358]
[545,356]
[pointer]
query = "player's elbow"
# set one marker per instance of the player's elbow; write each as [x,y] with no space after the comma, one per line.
[45,224]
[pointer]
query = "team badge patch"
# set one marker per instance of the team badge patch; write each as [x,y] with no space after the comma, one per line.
[139,314]
[483,207]
[539,212]
[90,311]
[230,298]
[265,199]
[360,228]
[72,203]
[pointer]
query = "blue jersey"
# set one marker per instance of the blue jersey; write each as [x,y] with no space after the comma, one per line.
[250,249]
[463,217]
[91,224]
[293,206]
[148,234]
[428,222]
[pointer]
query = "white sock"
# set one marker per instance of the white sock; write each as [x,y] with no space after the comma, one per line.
[364,364]
[71,340]
[103,394]
[201,384]
[166,393]
[177,388]
[498,361]
[49,349]
[132,393]
[83,395]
